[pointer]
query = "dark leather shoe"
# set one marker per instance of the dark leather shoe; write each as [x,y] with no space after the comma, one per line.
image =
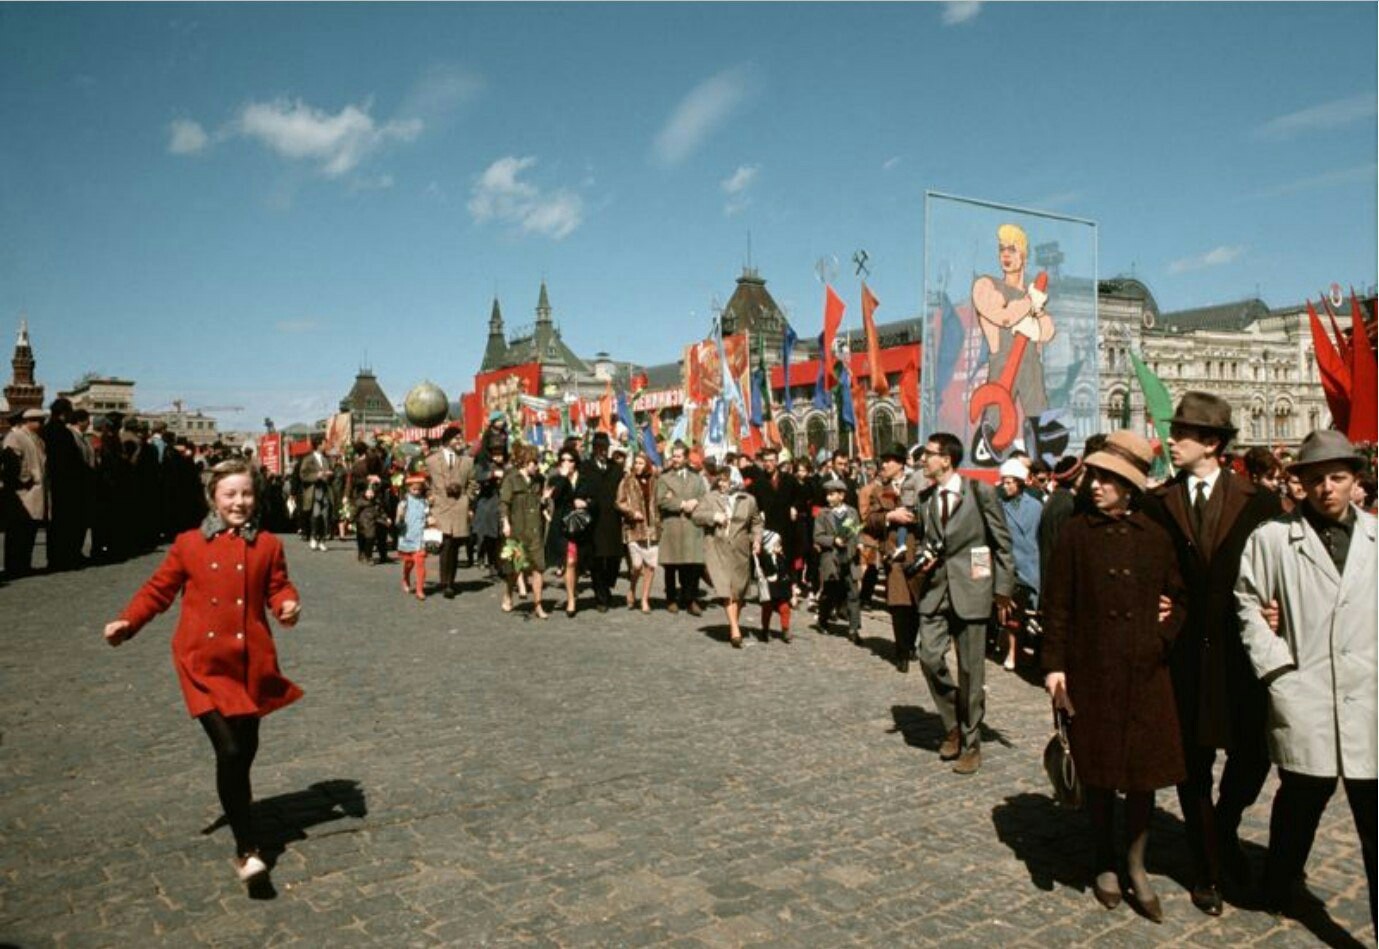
[449,593]
[1207,898]
[970,762]
[1149,906]
[695,609]
[672,607]
[951,747]
[902,664]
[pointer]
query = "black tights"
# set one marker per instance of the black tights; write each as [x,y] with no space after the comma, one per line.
[236,741]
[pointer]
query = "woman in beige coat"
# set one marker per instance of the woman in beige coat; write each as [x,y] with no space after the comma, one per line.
[735,526]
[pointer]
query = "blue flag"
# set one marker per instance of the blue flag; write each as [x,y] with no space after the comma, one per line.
[625,414]
[847,414]
[649,446]
[822,400]
[787,347]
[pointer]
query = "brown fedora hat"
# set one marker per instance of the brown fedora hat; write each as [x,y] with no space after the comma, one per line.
[1204,410]
[1326,445]
[1125,454]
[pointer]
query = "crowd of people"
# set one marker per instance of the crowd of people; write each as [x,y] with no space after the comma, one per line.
[1226,609]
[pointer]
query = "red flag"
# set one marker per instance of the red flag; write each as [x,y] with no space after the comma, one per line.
[1342,346]
[879,385]
[833,318]
[859,409]
[1363,424]
[577,415]
[909,389]
[1335,374]
[606,410]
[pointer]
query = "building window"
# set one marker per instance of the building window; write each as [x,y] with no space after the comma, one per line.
[882,432]
[786,424]
[816,433]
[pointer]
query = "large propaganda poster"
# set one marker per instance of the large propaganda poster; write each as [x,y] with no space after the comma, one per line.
[501,391]
[703,371]
[1010,329]
[270,453]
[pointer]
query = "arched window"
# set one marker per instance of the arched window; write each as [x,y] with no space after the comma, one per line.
[882,431]
[786,424]
[816,433]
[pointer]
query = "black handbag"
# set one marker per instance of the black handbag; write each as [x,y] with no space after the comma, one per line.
[1058,765]
[576,522]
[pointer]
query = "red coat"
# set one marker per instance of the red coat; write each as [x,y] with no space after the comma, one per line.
[222,649]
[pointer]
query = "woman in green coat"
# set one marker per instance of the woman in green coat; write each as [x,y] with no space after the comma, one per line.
[523,520]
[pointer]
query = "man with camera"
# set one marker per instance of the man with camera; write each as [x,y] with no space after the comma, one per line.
[968,567]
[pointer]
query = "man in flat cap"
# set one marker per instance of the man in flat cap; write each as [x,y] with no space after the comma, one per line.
[1209,512]
[1316,568]
[26,493]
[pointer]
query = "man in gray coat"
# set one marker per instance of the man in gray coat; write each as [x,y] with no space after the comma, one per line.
[960,519]
[678,492]
[1316,567]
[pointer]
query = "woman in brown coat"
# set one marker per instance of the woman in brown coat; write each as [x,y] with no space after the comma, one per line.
[1112,610]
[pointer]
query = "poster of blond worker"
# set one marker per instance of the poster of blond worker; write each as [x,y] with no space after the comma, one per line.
[1009,329]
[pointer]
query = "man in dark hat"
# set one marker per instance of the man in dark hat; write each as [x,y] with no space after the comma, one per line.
[598,487]
[67,488]
[1209,512]
[780,498]
[1315,569]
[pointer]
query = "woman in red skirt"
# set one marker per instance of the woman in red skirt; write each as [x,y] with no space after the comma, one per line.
[229,575]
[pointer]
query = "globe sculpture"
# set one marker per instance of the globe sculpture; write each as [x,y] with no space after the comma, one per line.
[426,405]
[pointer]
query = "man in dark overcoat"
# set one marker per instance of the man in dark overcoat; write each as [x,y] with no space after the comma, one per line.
[598,486]
[1209,512]
[67,487]
[780,499]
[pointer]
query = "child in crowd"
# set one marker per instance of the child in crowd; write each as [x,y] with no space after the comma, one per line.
[773,576]
[230,576]
[836,530]
[413,514]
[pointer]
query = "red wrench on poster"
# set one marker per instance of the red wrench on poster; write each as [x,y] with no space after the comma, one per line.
[999,394]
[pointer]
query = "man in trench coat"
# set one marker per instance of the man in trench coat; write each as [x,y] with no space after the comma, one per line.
[1209,512]
[452,489]
[26,493]
[679,490]
[1317,567]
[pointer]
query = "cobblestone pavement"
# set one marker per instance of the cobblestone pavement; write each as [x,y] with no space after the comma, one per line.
[460,776]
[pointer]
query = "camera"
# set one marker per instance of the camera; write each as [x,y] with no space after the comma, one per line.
[930,552]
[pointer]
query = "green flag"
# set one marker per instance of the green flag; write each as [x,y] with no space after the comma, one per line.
[1157,402]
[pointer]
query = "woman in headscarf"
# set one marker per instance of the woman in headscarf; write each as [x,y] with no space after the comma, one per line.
[735,524]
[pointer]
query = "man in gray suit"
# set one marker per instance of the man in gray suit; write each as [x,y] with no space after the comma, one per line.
[453,489]
[962,523]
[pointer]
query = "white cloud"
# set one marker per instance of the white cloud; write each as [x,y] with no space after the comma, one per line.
[735,187]
[500,195]
[890,163]
[337,143]
[960,11]
[740,179]
[1360,174]
[186,137]
[701,112]
[440,90]
[1216,257]
[1319,118]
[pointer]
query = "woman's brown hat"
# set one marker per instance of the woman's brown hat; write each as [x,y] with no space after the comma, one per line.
[1125,454]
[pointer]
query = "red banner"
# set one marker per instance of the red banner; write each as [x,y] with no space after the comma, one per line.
[703,375]
[270,453]
[500,391]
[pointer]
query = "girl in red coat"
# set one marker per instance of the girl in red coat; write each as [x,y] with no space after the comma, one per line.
[229,574]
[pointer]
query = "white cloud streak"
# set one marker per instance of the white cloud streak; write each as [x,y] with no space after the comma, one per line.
[735,187]
[186,137]
[296,326]
[700,113]
[1325,117]
[1216,257]
[1360,174]
[500,195]
[335,143]
[890,163]
[960,11]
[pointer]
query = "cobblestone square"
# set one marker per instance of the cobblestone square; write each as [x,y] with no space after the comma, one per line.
[458,776]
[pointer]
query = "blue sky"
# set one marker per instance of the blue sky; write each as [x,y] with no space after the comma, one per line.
[239,204]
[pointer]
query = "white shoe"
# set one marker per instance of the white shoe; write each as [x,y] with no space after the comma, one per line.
[252,866]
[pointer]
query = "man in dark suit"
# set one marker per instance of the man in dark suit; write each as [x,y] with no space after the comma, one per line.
[975,570]
[1210,512]
[780,499]
[598,485]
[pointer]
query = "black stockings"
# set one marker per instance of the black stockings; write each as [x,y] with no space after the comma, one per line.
[236,741]
[1139,806]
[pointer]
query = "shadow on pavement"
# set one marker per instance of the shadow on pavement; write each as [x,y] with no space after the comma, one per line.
[285,818]
[924,729]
